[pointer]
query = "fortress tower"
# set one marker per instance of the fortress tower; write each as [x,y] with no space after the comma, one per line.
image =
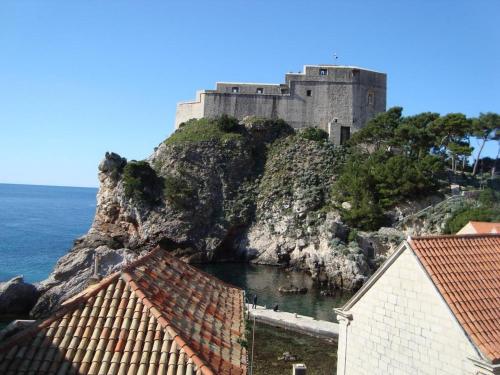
[337,99]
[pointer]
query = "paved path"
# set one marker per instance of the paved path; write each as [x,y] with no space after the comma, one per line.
[294,322]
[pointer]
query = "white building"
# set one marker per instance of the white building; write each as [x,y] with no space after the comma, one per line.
[432,308]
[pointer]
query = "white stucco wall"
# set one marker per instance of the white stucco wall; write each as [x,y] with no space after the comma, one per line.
[402,326]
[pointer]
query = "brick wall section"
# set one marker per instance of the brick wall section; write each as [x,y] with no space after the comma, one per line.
[402,326]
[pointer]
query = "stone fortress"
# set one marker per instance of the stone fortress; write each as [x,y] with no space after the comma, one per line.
[337,99]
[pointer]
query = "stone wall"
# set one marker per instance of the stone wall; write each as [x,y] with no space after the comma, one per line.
[401,325]
[341,96]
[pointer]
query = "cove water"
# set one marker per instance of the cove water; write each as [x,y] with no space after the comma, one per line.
[38,225]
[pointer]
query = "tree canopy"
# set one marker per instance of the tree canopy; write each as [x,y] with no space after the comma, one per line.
[395,158]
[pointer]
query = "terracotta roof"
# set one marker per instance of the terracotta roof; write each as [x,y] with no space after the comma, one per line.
[485,227]
[466,271]
[157,316]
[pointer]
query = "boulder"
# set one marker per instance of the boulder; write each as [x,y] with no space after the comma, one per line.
[17,297]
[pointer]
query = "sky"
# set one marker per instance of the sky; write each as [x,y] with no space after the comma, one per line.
[82,77]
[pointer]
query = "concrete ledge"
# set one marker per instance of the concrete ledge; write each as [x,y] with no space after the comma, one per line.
[294,322]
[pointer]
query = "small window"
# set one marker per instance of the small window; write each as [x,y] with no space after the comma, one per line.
[284,91]
[309,92]
[371,98]
[323,72]
[260,90]
[235,89]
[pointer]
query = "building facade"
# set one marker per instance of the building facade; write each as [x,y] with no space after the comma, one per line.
[432,308]
[337,99]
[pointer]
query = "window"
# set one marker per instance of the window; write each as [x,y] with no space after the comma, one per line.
[309,92]
[323,72]
[284,91]
[235,89]
[371,98]
[260,90]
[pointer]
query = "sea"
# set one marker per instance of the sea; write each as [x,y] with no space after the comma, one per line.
[38,225]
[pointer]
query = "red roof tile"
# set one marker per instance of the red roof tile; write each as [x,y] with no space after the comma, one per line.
[466,271]
[157,315]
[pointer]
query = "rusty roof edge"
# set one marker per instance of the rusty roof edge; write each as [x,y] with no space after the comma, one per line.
[211,277]
[444,236]
[67,306]
[200,363]
[439,290]
[73,302]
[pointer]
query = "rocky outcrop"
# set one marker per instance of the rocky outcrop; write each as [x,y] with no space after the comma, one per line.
[223,191]
[17,297]
[75,271]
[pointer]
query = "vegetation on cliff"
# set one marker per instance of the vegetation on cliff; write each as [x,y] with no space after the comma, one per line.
[221,129]
[141,183]
[396,158]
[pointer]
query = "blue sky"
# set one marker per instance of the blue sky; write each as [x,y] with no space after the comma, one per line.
[79,78]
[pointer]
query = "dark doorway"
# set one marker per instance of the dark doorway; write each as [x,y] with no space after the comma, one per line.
[345,134]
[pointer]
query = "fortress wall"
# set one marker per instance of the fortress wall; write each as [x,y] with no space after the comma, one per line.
[187,111]
[344,96]
[364,107]
[248,88]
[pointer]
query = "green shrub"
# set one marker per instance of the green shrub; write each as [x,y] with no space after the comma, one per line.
[141,182]
[228,124]
[221,129]
[314,134]
[489,197]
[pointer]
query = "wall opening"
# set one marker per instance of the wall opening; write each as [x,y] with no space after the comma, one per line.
[260,90]
[345,134]
[309,93]
[235,89]
[323,72]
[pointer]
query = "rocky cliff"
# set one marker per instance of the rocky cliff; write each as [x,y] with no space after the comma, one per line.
[218,190]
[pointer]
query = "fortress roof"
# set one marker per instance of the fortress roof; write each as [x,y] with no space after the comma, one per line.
[158,315]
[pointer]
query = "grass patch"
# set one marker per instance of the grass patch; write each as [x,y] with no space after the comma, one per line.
[320,356]
[222,129]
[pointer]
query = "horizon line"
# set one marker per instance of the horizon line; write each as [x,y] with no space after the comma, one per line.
[46,185]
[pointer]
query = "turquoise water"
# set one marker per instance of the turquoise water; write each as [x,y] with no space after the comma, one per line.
[38,224]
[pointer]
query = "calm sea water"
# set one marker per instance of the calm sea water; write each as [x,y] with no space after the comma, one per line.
[264,281]
[38,224]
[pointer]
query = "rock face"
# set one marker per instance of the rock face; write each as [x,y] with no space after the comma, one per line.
[219,191]
[75,271]
[17,297]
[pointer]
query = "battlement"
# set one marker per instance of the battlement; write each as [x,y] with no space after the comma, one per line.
[338,99]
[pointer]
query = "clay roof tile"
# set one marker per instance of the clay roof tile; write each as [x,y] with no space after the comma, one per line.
[154,317]
[466,271]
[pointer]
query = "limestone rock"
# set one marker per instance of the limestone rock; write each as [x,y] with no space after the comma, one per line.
[17,297]
[73,272]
